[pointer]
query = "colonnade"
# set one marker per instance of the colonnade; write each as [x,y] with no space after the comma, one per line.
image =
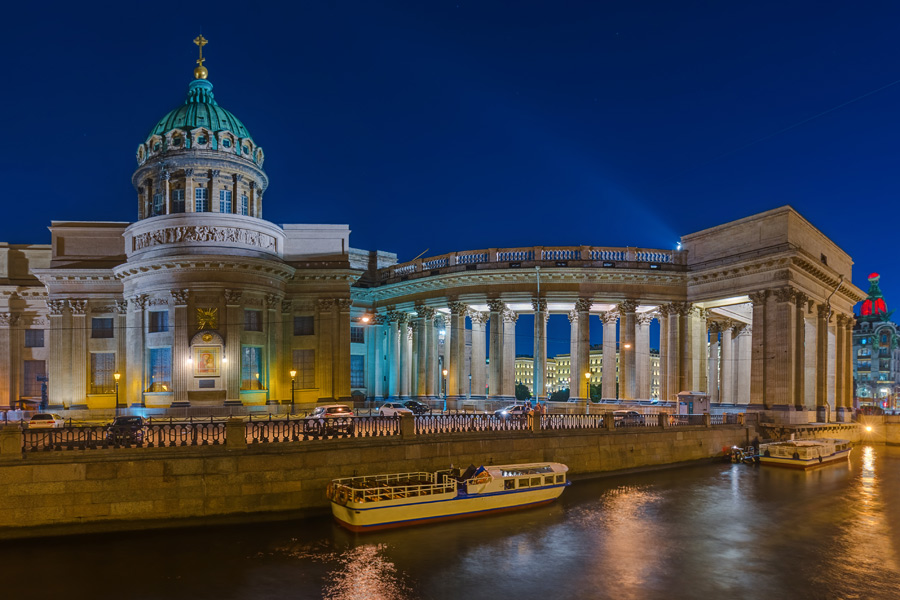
[793,354]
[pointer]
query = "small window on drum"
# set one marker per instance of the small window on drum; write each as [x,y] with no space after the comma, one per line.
[156,147]
[226,143]
[176,141]
[201,139]
[246,149]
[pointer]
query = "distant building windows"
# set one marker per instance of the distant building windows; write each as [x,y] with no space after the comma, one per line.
[160,370]
[201,199]
[101,327]
[159,207]
[245,205]
[34,338]
[177,201]
[304,362]
[224,201]
[252,320]
[357,335]
[159,321]
[103,366]
[304,326]
[357,371]
[252,368]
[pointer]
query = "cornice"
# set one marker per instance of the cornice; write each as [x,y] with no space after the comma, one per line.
[204,264]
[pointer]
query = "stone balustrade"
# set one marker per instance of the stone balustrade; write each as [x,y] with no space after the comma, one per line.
[548,256]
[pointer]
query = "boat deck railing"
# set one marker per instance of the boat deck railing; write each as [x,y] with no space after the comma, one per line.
[382,488]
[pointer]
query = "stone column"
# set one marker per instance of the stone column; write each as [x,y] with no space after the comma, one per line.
[393,355]
[540,348]
[743,353]
[583,308]
[848,368]
[478,354]
[809,356]
[686,359]
[80,356]
[456,386]
[274,374]
[440,359]
[497,307]
[726,370]
[663,316]
[699,349]
[236,193]
[10,357]
[608,363]
[56,369]
[377,354]
[673,361]
[424,329]
[822,363]
[713,387]
[781,351]
[232,329]
[181,349]
[405,359]
[325,341]
[758,352]
[121,345]
[839,370]
[430,356]
[798,325]
[136,376]
[414,333]
[287,350]
[574,379]
[628,388]
[341,352]
[642,355]
[509,355]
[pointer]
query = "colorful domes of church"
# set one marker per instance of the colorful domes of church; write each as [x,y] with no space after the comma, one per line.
[874,305]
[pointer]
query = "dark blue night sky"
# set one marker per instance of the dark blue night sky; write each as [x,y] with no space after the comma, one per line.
[460,125]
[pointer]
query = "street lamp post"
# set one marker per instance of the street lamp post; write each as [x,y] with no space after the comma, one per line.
[587,380]
[293,375]
[116,376]
[444,387]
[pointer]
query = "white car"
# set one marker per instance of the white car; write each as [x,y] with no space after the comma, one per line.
[46,421]
[392,409]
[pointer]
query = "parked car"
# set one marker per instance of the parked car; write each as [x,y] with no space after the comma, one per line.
[628,418]
[418,408]
[330,419]
[125,431]
[513,410]
[46,421]
[392,409]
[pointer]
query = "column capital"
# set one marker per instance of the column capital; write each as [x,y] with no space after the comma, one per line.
[583,304]
[823,311]
[645,318]
[609,317]
[715,326]
[214,173]
[496,305]
[8,319]
[287,306]
[122,306]
[573,316]
[478,318]
[785,294]
[510,316]
[379,320]
[56,307]
[628,306]
[272,301]
[78,306]
[344,304]
[425,312]
[325,303]
[232,297]
[759,298]
[458,308]
[139,302]
[189,172]
[539,304]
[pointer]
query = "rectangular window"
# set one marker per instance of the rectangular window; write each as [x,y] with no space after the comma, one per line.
[357,335]
[177,201]
[303,326]
[245,205]
[31,387]
[201,199]
[304,362]
[34,338]
[159,321]
[158,207]
[224,201]
[101,327]
[252,320]
[103,365]
[160,370]
[252,368]
[357,371]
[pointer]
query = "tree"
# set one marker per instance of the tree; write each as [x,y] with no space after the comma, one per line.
[596,392]
[522,392]
[560,396]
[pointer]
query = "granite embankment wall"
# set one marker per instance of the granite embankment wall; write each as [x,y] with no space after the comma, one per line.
[79,491]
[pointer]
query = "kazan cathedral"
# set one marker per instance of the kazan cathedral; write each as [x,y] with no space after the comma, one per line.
[201,302]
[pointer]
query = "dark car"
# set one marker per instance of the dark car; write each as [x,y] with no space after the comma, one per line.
[125,431]
[329,419]
[628,418]
[418,408]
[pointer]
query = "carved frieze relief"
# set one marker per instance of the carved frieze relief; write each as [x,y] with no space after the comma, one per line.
[203,233]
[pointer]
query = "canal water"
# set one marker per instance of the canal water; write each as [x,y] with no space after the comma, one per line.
[707,531]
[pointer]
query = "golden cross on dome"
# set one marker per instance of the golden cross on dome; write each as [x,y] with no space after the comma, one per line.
[200,72]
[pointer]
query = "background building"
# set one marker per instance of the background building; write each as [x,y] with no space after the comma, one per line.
[876,352]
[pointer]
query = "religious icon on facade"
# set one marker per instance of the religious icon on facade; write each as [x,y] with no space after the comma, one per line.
[207,318]
[206,361]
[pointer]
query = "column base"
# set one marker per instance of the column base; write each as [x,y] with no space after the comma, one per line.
[81,406]
[233,403]
[844,414]
[180,404]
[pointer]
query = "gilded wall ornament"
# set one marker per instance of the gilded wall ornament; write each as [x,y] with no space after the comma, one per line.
[207,318]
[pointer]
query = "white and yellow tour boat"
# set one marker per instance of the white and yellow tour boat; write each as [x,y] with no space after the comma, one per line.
[804,454]
[384,501]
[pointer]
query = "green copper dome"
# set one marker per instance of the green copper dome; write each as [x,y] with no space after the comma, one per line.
[200,110]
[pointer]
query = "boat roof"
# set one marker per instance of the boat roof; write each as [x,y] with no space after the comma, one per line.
[525,469]
[814,442]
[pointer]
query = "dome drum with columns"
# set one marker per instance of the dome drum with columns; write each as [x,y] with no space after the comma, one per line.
[201,302]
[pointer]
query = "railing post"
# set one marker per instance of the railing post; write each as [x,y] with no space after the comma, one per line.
[492,255]
[453,259]
[535,422]
[707,420]
[11,442]
[609,420]
[407,425]
[663,419]
[235,433]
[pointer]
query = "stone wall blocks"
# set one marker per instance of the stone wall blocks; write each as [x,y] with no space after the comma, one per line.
[143,468]
[103,470]
[60,472]
[37,489]
[17,474]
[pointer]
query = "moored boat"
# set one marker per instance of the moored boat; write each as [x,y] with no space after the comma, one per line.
[384,501]
[804,454]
